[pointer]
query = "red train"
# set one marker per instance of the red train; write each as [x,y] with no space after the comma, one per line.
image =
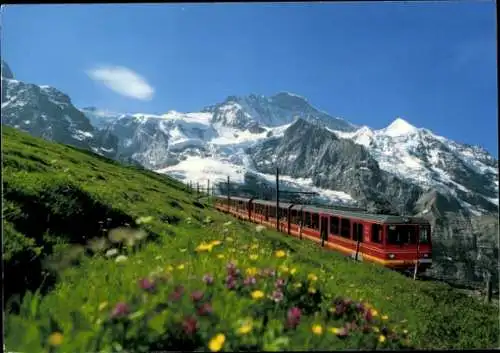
[391,241]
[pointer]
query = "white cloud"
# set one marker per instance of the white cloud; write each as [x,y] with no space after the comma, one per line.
[123,81]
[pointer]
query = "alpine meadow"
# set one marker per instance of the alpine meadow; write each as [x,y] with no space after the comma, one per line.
[250,177]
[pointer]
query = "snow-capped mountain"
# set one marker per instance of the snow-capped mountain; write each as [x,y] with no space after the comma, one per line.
[253,111]
[235,132]
[46,112]
[156,141]
[466,172]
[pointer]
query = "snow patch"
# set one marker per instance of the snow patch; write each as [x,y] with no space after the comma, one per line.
[82,135]
[197,169]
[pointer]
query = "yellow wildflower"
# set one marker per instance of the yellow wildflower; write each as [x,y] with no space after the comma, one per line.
[257,294]
[220,256]
[312,290]
[381,338]
[385,317]
[56,339]
[297,285]
[251,271]
[169,268]
[245,328]
[317,329]
[374,312]
[216,242]
[284,269]
[103,306]
[312,277]
[293,270]
[280,253]
[180,267]
[334,330]
[254,257]
[204,247]
[376,329]
[405,331]
[217,342]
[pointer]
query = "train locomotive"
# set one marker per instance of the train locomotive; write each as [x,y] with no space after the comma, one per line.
[396,242]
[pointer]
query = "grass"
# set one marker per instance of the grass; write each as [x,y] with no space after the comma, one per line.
[104,257]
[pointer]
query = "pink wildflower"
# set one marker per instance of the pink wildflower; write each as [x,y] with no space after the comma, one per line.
[147,284]
[197,295]
[189,325]
[120,310]
[204,309]
[293,317]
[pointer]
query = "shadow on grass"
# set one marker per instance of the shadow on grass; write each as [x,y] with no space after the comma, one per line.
[56,215]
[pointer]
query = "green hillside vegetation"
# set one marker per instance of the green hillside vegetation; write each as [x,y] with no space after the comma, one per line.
[104,257]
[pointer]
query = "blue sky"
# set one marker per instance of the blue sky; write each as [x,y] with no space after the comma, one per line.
[433,63]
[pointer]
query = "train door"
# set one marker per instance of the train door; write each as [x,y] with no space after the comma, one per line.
[358,237]
[324,229]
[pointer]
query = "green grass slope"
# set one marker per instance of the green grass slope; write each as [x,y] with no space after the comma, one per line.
[112,258]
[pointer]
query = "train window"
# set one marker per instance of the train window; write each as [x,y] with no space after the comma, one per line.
[334,225]
[358,232]
[315,221]
[401,234]
[376,233]
[307,219]
[424,236]
[345,228]
[283,212]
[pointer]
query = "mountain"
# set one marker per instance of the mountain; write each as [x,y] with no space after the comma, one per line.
[157,141]
[46,112]
[338,164]
[253,111]
[468,173]
[255,134]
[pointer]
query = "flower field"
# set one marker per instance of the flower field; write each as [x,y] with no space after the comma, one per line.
[157,270]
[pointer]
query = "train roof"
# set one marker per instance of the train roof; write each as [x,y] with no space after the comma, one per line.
[273,203]
[379,218]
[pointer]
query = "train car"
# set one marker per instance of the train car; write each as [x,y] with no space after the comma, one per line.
[237,206]
[391,241]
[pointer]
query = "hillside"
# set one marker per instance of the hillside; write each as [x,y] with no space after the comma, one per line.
[142,266]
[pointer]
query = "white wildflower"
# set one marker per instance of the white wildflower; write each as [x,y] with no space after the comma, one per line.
[121,258]
[111,252]
[260,228]
[146,219]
